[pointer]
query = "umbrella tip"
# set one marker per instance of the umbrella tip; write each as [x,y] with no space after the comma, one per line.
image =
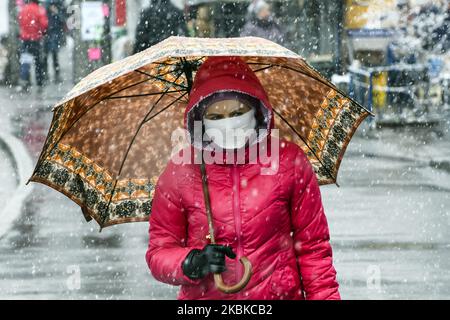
[337,184]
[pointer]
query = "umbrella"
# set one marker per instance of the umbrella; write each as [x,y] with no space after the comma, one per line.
[110,136]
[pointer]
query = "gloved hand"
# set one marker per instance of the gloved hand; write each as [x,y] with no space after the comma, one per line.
[211,258]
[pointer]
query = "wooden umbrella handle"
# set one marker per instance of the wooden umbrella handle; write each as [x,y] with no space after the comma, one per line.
[238,286]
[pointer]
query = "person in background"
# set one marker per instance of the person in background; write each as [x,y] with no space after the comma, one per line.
[260,23]
[160,20]
[203,24]
[55,36]
[33,23]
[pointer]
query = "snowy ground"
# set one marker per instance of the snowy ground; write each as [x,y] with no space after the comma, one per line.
[390,219]
[389,222]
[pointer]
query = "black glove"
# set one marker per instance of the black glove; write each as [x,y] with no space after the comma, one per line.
[211,258]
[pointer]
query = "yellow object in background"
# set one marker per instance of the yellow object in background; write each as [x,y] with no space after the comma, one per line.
[355,14]
[369,14]
[379,94]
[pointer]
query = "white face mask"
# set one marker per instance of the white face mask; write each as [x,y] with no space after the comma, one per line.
[233,132]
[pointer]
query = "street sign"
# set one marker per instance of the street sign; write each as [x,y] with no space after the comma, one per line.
[92,20]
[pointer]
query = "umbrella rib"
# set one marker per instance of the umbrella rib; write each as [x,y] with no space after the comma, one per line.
[183,59]
[140,126]
[259,63]
[107,97]
[164,63]
[152,79]
[80,116]
[299,135]
[262,69]
[129,148]
[86,111]
[201,58]
[325,83]
[166,107]
[163,80]
[313,77]
[174,64]
[143,94]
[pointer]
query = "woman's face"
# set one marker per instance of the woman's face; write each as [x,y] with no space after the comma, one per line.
[264,13]
[226,109]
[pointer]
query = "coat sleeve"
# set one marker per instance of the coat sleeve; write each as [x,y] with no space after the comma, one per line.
[311,235]
[246,31]
[167,231]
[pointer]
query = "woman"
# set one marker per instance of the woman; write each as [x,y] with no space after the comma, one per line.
[276,220]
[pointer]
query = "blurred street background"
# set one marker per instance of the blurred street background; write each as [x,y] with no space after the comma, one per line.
[389,219]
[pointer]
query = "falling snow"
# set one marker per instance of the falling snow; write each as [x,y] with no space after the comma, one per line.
[389,219]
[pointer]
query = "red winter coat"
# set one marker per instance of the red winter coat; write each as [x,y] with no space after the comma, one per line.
[277,221]
[33,22]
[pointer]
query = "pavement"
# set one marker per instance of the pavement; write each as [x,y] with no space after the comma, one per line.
[16,167]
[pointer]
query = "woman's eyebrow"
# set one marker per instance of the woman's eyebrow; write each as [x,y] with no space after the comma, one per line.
[244,106]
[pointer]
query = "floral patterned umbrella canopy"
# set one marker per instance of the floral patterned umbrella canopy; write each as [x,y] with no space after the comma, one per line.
[110,136]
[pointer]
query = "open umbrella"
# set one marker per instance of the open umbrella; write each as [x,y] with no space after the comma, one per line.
[110,136]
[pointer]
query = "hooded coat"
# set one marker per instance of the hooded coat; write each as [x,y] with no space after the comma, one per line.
[277,220]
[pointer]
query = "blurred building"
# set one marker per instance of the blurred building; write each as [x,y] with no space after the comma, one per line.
[313,28]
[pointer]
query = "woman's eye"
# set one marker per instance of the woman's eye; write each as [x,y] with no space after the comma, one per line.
[214,117]
[236,114]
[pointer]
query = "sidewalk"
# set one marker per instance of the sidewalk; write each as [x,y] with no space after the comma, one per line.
[7,175]
[24,124]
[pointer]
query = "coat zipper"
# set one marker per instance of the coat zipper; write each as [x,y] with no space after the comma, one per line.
[237,219]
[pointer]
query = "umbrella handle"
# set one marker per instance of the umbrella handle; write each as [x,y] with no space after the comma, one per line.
[238,286]
[221,286]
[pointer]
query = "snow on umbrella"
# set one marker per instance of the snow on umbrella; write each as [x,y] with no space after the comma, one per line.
[110,136]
